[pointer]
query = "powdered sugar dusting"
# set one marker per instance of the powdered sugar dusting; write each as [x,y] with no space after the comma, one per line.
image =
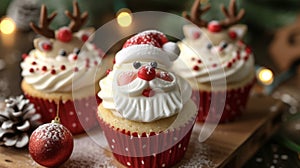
[51,131]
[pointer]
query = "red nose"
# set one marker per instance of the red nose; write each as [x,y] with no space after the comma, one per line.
[64,34]
[147,73]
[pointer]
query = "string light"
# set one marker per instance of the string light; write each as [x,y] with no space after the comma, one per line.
[265,76]
[7,26]
[124,17]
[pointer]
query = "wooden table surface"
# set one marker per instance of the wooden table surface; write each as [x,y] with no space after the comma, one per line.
[230,145]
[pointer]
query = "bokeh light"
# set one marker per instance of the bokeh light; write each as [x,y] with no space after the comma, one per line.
[7,26]
[265,76]
[124,17]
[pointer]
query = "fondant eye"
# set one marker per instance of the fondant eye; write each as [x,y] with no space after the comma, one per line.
[224,45]
[45,45]
[76,51]
[137,64]
[153,64]
[62,52]
[209,46]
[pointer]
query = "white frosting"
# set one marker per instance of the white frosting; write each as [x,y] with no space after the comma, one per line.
[126,100]
[213,66]
[60,73]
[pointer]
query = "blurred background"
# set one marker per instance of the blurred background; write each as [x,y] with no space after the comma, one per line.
[273,34]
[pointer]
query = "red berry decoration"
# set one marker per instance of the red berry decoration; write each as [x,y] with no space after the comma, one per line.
[147,73]
[64,34]
[51,144]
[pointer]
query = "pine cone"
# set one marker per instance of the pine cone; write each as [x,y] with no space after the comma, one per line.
[17,121]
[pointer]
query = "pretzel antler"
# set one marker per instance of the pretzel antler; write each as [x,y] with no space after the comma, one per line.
[196,13]
[231,15]
[77,19]
[43,28]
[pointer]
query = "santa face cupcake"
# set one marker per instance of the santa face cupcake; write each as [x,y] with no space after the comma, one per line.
[62,70]
[218,65]
[146,114]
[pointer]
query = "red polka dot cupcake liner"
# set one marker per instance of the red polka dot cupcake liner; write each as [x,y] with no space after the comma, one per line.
[135,150]
[77,118]
[229,104]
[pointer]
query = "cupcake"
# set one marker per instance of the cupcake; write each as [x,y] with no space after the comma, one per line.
[61,71]
[147,114]
[217,63]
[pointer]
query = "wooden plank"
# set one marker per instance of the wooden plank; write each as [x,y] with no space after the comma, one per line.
[230,145]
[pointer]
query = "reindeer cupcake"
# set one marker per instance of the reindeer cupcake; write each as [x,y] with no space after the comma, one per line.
[64,69]
[218,64]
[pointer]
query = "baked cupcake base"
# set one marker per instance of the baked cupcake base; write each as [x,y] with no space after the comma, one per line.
[77,118]
[162,148]
[229,104]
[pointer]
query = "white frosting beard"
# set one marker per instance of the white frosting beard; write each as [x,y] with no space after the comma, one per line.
[62,74]
[213,67]
[126,101]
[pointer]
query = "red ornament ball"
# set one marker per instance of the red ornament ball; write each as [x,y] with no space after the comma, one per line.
[51,144]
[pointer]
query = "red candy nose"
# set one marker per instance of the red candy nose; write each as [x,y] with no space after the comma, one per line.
[147,73]
[64,34]
[214,26]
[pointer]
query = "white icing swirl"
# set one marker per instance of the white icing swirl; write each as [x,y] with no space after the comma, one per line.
[203,66]
[126,100]
[63,73]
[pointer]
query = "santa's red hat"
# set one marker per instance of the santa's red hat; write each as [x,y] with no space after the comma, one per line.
[150,45]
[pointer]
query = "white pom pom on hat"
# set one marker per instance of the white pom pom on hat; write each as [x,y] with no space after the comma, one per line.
[150,45]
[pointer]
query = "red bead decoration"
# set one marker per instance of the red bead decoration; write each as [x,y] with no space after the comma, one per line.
[24,56]
[84,37]
[229,64]
[196,68]
[64,34]
[199,61]
[53,71]
[75,57]
[76,69]
[147,73]
[44,68]
[63,67]
[33,63]
[31,70]
[47,46]
[214,65]
[232,35]
[233,60]
[51,144]
[248,50]
[246,57]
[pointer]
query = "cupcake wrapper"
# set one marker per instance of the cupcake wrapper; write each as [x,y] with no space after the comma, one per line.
[68,114]
[235,103]
[162,149]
